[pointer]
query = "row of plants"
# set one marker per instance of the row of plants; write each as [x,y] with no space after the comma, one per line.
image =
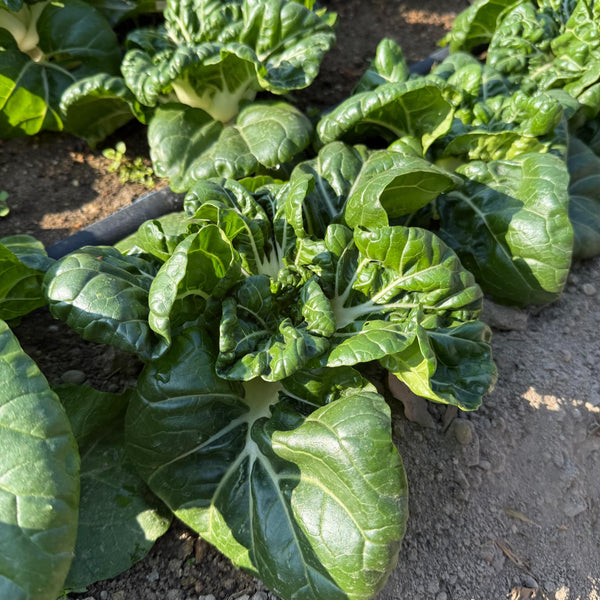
[307,247]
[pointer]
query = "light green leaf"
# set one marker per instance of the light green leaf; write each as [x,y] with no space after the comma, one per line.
[39,469]
[509,224]
[388,66]
[392,185]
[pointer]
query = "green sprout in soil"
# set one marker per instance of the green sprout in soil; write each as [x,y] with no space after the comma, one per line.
[129,170]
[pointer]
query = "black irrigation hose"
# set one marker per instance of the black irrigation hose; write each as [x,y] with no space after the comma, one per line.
[125,221]
[120,224]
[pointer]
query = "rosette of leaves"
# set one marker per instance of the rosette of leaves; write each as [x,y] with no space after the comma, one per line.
[44,48]
[194,79]
[488,181]
[249,420]
[545,45]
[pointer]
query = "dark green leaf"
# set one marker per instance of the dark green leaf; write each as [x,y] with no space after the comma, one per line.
[103,295]
[584,199]
[119,519]
[241,467]
[23,261]
[74,42]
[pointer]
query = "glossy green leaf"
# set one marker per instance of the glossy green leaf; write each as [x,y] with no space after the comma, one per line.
[388,66]
[397,288]
[259,339]
[476,25]
[74,42]
[333,172]
[417,107]
[201,267]
[186,145]
[119,518]
[39,469]
[392,185]
[103,296]
[216,55]
[510,226]
[314,505]
[23,261]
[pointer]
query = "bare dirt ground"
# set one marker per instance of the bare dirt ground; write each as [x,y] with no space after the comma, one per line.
[505,502]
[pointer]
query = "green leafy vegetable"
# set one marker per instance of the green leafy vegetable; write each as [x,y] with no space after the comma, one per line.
[44,48]
[23,262]
[119,518]
[248,473]
[40,480]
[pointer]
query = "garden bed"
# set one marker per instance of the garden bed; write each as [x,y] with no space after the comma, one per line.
[502,500]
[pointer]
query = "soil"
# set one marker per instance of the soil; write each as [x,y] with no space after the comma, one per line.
[505,501]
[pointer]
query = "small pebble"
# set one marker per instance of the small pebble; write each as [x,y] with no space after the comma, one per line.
[118,595]
[208,597]
[259,596]
[589,289]
[463,432]
[153,575]
[529,582]
[73,376]
[54,328]
[567,356]
[442,596]
[485,465]
[75,183]
[103,595]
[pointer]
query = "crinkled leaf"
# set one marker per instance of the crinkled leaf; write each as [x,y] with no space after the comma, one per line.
[103,296]
[395,288]
[186,145]
[258,339]
[214,55]
[202,266]
[476,25]
[510,226]
[333,172]
[40,480]
[521,44]
[450,365]
[74,42]
[23,261]
[119,518]
[315,506]
[212,77]
[289,40]
[584,201]
[417,107]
